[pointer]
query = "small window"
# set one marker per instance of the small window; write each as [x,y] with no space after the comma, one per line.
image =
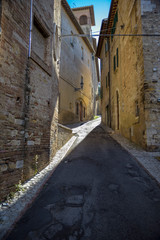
[117,56]
[137,108]
[114,63]
[82,53]
[101,92]
[83,20]
[77,108]
[84,112]
[106,47]
[72,39]
[108,79]
[101,64]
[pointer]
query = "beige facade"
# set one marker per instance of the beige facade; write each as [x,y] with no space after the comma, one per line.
[133,66]
[28,88]
[76,99]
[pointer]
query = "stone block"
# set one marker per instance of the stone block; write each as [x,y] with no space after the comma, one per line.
[19,164]
[11,165]
[3,167]
[19,121]
[30,143]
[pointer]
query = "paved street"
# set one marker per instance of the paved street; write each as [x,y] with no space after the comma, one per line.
[99,192]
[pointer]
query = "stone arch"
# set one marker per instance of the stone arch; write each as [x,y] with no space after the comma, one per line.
[80,109]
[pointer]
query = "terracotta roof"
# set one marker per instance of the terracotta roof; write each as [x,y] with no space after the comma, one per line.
[101,38]
[76,24]
[107,25]
[112,11]
[91,9]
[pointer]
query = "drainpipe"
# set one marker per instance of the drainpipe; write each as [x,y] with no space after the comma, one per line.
[30,30]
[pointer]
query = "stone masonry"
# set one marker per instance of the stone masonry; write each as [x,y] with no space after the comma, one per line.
[150,10]
[28,90]
[132,62]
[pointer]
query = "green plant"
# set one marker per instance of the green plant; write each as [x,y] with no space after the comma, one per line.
[19,187]
[36,164]
[95,117]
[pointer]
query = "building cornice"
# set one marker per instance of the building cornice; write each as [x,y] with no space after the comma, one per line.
[76,24]
[90,8]
[107,25]
[101,38]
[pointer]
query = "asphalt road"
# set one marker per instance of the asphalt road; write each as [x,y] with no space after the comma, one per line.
[99,192]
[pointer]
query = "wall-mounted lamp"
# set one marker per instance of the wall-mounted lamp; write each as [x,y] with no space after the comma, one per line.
[81,84]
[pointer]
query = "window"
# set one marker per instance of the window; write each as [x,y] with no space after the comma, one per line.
[108,79]
[72,39]
[77,108]
[114,24]
[117,56]
[106,47]
[101,92]
[137,108]
[82,83]
[39,39]
[82,53]
[83,20]
[101,64]
[114,63]
[84,112]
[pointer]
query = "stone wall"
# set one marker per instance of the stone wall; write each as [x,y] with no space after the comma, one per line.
[135,73]
[64,134]
[150,10]
[28,91]
[127,76]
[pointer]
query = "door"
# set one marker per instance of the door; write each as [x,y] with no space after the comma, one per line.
[81,111]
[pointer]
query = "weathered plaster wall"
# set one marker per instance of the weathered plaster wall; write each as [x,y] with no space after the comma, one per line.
[72,67]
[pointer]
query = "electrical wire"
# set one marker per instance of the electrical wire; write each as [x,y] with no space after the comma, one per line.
[108,35]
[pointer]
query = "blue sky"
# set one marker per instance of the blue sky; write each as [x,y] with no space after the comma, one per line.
[101,9]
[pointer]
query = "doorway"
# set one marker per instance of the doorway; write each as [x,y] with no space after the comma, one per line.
[81,111]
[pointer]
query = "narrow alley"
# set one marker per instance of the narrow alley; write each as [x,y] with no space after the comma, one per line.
[98,192]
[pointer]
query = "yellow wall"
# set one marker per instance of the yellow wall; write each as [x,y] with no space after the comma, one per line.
[72,67]
[128,78]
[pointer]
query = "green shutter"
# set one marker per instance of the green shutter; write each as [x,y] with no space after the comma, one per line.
[101,92]
[108,79]
[106,47]
[117,57]
[114,63]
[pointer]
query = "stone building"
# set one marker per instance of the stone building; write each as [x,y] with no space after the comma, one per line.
[29,66]
[76,84]
[130,67]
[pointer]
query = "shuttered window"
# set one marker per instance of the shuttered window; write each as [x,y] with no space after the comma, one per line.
[117,57]
[114,63]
